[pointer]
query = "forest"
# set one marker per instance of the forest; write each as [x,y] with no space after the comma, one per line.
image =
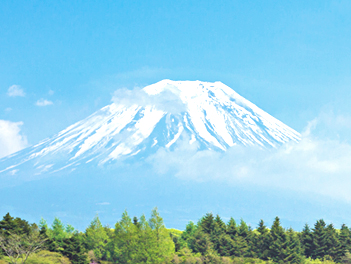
[141,240]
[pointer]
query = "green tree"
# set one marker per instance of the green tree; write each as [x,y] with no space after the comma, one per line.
[207,223]
[278,242]
[162,248]
[200,242]
[18,247]
[319,240]
[262,241]
[307,241]
[232,228]
[97,238]
[333,245]
[10,225]
[294,250]
[73,249]
[345,239]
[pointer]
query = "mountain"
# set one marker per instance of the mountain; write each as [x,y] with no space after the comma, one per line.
[110,162]
[210,115]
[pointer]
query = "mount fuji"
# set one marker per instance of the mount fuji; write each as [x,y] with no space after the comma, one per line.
[102,164]
[210,115]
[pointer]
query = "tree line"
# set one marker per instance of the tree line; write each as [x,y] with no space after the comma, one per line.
[138,240]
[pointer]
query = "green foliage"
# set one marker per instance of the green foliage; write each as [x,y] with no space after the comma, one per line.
[47,257]
[262,241]
[319,240]
[142,241]
[137,240]
[15,226]
[96,239]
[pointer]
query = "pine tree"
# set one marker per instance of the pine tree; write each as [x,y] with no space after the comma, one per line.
[217,236]
[200,242]
[294,249]
[10,225]
[262,241]
[221,225]
[307,241]
[278,242]
[319,241]
[333,245]
[345,239]
[207,223]
[232,228]
[73,249]
[163,246]
[96,238]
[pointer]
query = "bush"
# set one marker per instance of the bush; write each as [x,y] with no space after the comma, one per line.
[47,257]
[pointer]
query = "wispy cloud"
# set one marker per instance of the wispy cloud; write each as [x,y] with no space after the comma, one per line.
[43,102]
[15,90]
[103,203]
[11,139]
[166,100]
[319,163]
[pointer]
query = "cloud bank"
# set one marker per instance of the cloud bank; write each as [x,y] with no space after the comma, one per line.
[319,164]
[11,139]
[15,90]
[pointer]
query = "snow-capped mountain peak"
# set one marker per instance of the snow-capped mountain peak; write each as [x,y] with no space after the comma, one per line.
[211,114]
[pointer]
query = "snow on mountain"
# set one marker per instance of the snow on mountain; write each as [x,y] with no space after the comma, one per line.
[211,115]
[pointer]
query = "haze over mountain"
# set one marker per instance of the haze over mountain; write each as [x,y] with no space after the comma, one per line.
[210,115]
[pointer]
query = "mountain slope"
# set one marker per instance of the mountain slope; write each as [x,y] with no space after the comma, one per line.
[210,115]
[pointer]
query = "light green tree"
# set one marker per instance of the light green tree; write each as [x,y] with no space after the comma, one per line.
[96,238]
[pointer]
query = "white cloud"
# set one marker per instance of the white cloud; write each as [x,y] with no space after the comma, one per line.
[11,139]
[318,164]
[166,101]
[103,203]
[15,90]
[43,102]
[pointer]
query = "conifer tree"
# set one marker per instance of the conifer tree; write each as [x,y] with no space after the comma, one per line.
[207,223]
[221,225]
[307,241]
[217,236]
[319,240]
[73,249]
[161,244]
[333,245]
[232,228]
[293,249]
[96,238]
[200,242]
[278,242]
[262,241]
[345,239]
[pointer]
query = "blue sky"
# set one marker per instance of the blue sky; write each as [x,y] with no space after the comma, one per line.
[66,58]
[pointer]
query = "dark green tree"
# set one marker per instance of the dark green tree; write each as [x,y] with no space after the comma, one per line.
[73,249]
[345,239]
[262,241]
[207,223]
[278,242]
[294,251]
[307,241]
[232,229]
[333,245]
[319,240]
[200,242]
